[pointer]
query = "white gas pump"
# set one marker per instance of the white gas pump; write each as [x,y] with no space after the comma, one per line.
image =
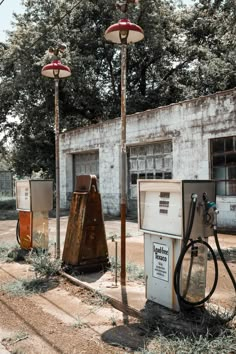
[177,217]
[34,198]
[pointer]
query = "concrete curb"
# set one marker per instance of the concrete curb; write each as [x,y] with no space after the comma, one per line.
[117,304]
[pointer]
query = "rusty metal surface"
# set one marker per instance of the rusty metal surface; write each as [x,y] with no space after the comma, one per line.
[25,229]
[85,243]
[33,229]
[74,231]
[123,163]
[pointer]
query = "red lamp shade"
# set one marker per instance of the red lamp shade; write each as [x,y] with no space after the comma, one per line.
[125,30]
[56,70]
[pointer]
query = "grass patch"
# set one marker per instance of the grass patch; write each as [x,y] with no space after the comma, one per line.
[11,254]
[3,253]
[19,336]
[224,343]
[97,299]
[134,271]
[79,323]
[197,331]
[43,265]
[24,287]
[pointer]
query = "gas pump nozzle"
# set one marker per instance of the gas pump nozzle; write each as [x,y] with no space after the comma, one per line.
[194,197]
[210,210]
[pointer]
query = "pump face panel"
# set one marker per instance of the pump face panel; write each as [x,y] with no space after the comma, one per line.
[160,207]
[34,198]
[163,211]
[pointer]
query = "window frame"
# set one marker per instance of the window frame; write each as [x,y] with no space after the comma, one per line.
[225,186]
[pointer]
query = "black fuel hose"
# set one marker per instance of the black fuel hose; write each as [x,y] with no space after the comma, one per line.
[181,298]
[226,267]
[177,271]
[18,231]
[186,245]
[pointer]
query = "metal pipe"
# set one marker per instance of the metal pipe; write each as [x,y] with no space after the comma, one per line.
[123,164]
[115,263]
[57,167]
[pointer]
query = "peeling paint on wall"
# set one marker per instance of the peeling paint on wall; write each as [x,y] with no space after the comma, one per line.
[189,124]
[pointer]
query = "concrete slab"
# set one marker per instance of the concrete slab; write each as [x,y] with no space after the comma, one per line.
[3,350]
[129,298]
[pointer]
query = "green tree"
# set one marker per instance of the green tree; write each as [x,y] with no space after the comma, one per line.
[211,33]
[187,51]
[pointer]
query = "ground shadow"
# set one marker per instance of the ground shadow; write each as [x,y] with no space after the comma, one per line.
[83,276]
[132,336]
[160,322]
[200,320]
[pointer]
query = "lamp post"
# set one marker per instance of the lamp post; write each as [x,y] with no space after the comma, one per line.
[124,32]
[56,70]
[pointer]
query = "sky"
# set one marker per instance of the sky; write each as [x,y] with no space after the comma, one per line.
[10,6]
[6,10]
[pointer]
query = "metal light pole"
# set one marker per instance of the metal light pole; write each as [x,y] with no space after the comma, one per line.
[124,32]
[57,71]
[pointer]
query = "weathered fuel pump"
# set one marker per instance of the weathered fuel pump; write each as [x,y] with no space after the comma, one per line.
[34,198]
[177,218]
[85,244]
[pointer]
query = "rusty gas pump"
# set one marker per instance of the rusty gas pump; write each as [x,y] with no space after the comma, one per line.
[85,244]
[34,199]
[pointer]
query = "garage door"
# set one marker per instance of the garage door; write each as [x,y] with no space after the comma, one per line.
[86,164]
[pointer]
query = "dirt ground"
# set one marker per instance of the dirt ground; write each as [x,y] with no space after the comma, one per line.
[68,319]
[63,319]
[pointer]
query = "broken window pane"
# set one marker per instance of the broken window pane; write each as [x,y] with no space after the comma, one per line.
[219,173]
[229,144]
[159,175]
[231,159]
[232,172]
[167,175]
[149,175]
[218,145]
[219,160]
[134,177]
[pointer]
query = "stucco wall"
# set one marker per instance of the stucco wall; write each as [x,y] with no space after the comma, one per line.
[190,125]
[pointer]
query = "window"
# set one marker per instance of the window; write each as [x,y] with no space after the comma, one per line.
[149,162]
[223,164]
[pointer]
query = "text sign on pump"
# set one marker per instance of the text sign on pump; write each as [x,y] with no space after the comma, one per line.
[160,261]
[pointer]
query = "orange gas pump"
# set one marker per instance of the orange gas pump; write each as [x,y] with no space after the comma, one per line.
[34,198]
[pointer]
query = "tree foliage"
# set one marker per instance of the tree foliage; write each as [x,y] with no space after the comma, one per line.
[187,52]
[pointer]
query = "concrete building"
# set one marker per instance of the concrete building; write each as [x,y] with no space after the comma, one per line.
[193,139]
